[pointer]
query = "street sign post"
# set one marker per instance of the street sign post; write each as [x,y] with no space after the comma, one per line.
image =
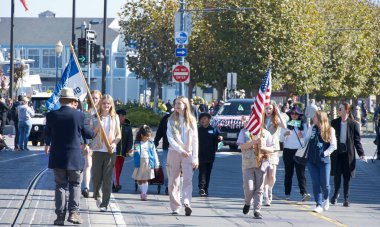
[186,22]
[181,73]
[181,38]
[181,52]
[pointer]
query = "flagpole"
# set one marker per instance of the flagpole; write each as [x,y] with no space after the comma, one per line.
[102,131]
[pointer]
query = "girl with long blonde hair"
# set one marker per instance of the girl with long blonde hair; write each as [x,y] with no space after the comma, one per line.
[104,159]
[182,135]
[321,143]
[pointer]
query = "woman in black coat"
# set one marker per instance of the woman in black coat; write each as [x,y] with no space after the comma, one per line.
[343,160]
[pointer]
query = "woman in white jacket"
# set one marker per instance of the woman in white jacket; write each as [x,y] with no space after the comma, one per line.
[182,135]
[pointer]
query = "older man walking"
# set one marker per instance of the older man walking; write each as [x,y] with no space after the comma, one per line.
[64,128]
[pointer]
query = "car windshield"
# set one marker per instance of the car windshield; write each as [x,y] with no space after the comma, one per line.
[235,108]
[39,105]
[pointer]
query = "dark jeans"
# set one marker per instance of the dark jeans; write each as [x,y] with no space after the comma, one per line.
[16,134]
[342,169]
[378,143]
[289,163]
[204,175]
[67,180]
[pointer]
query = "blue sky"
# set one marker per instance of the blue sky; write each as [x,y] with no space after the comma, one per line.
[62,8]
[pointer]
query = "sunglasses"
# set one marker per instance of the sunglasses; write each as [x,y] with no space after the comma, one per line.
[293,113]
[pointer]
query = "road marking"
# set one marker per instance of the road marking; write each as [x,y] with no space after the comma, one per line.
[116,212]
[308,208]
[26,156]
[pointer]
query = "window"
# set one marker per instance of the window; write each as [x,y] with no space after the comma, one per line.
[119,62]
[35,55]
[48,58]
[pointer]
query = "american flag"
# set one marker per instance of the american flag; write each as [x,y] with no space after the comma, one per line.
[24,4]
[262,100]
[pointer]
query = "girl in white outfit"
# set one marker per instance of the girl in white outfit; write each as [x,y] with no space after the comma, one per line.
[182,135]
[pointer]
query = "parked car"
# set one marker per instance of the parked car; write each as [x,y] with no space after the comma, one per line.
[228,119]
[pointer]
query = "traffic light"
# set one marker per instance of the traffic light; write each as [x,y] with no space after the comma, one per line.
[96,53]
[82,50]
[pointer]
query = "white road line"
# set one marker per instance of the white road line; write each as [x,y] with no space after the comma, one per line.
[116,212]
[26,156]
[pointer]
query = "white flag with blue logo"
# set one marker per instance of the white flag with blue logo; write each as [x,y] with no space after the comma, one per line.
[70,78]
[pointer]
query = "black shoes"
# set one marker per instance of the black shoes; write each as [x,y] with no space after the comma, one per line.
[60,220]
[187,210]
[202,193]
[75,218]
[246,209]
[116,188]
[334,199]
[85,192]
[346,203]
[166,191]
[257,215]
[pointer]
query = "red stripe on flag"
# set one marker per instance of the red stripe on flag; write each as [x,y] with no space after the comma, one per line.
[24,4]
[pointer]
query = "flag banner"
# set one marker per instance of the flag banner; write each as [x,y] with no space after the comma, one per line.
[262,100]
[70,78]
[24,4]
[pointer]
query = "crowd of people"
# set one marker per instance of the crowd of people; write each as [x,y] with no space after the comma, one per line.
[93,140]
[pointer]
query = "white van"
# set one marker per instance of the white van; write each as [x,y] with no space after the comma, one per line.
[39,120]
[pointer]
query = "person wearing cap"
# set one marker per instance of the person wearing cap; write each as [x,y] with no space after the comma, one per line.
[208,139]
[24,113]
[63,131]
[292,137]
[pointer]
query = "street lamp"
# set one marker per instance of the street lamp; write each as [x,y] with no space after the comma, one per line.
[58,51]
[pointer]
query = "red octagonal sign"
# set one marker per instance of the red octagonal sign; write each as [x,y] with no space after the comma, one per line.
[181,73]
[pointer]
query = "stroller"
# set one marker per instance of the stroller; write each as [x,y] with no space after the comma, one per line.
[157,180]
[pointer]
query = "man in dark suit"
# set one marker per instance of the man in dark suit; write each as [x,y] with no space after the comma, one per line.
[343,159]
[64,129]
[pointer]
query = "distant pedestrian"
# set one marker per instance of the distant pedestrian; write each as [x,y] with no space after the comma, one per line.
[321,143]
[310,111]
[203,108]
[292,137]
[343,160]
[161,134]
[104,157]
[194,109]
[14,117]
[169,106]
[124,147]
[90,113]
[208,138]
[252,169]
[25,114]
[182,135]
[3,114]
[63,130]
[145,160]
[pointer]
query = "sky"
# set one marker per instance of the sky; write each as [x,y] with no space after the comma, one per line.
[62,8]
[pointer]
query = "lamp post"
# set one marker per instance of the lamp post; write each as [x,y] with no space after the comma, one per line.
[58,51]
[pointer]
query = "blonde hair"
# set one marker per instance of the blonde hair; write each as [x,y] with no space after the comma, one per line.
[109,99]
[323,125]
[189,119]
[94,92]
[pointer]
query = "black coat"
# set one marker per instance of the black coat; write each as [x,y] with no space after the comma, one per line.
[208,144]
[64,128]
[161,133]
[126,142]
[352,143]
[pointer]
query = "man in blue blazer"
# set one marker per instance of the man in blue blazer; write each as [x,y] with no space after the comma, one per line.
[64,130]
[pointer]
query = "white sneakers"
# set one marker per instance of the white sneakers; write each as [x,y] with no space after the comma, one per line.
[318,209]
[326,205]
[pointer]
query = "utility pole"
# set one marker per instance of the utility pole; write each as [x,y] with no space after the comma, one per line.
[12,50]
[104,62]
[182,59]
[73,26]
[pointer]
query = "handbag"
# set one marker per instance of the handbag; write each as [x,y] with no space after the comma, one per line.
[302,160]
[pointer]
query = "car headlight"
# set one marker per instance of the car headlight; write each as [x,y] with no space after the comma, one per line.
[36,128]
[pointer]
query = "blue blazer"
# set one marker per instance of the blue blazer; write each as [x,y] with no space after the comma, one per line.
[63,132]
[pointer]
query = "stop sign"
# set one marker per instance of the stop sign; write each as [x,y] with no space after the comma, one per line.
[181,73]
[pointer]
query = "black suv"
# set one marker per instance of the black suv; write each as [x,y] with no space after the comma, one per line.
[228,119]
